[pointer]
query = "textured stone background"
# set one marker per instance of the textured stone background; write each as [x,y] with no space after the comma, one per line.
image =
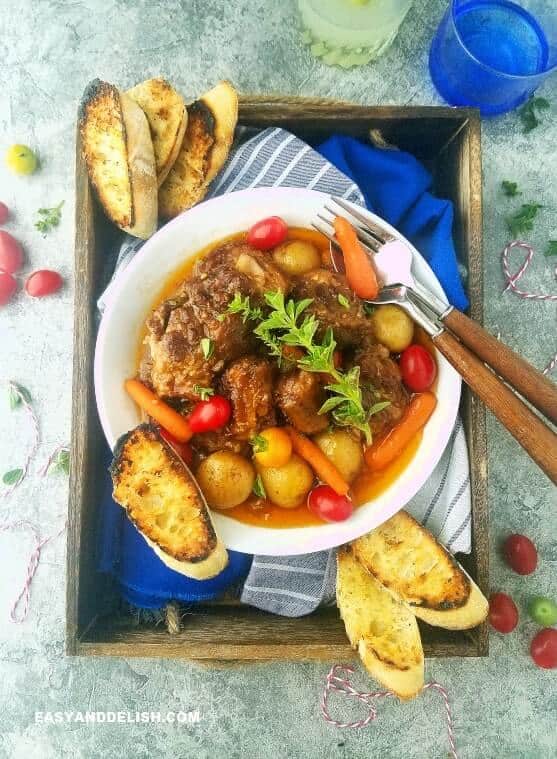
[504,706]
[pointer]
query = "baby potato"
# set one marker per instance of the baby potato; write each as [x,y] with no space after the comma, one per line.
[344,450]
[297,257]
[393,327]
[226,479]
[287,486]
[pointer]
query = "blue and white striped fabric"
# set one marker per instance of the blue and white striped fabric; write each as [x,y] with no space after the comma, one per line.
[295,585]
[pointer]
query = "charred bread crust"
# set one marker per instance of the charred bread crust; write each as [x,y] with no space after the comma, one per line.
[101,100]
[204,539]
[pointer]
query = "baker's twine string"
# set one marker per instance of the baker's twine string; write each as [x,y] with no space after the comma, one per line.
[20,607]
[513,279]
[50,461]
[337,680]
[28,408]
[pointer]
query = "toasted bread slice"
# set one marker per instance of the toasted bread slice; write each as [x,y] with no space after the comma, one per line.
[164,502]
[119,155]
[380,627]
[209,134]
[166,113]
[408,560]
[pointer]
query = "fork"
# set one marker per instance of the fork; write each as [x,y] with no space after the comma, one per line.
[489,368]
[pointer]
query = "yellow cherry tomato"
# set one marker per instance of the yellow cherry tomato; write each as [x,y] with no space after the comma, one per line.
[21,160]
[272,447]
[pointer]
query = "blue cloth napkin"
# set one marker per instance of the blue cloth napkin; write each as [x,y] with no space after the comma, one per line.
[396,186]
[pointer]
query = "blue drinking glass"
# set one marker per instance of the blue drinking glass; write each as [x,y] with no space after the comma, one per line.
[493,54]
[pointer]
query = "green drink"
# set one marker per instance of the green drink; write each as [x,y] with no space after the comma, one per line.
[351,32]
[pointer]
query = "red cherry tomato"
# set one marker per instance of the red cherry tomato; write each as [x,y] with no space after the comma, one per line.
[8,286]
[183,450]
[521,554]
[11,255]
[503,614]
[4,213]
[543,648]
[267,233]
[418,368]
[211,414]
[328,505]
[43,282]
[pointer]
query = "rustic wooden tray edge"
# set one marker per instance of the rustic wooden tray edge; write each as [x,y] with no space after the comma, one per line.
[94,638]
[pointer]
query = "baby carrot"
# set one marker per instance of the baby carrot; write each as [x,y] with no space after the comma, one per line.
[359,268]
[161,412]
[381,453]
[321,465]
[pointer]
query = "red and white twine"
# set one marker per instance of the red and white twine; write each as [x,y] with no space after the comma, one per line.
[340,683]
[33,563]
[28,408]
[513,279]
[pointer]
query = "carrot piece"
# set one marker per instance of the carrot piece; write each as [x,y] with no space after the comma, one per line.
[360,272]
[381,453]
[161,412]
[321,465]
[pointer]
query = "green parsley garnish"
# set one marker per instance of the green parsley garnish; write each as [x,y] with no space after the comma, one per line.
[12,477]
[259,487]
[287,324]
[203,392]
[531,111]
[207,347]
[343,300]
[551,248]
[510,189]
[523,219]
[239,305]
[259,443]
[50,218]
[369,308]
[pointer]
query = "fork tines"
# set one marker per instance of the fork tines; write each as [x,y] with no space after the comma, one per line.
[371,236]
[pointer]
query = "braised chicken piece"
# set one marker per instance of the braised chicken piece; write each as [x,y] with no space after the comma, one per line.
[300,395]
[334,305]
[176,355]
[383,375]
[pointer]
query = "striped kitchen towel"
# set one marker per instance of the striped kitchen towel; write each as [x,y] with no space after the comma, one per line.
[295,585]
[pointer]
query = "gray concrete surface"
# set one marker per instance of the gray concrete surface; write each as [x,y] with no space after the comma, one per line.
[504,706]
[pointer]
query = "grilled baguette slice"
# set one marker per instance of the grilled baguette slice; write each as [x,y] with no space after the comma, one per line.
[209,134]
[166,113]
[382,629]
[408,560]
[119,155]
[164,502]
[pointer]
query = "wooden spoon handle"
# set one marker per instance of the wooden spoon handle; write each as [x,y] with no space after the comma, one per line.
[522,376]
[537,439]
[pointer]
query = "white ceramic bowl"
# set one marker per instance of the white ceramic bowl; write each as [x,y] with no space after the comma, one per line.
[130,300]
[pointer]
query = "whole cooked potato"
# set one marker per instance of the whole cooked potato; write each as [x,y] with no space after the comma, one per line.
[344,450]
[226,479]
[393,327]
[287,486]
[297,257]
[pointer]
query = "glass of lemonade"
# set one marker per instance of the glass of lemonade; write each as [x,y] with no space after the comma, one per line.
[351,32]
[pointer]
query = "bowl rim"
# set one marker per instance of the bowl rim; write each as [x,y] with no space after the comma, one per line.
[249,538]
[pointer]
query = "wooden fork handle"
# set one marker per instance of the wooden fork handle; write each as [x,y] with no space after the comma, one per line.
[522,376]
[537,439]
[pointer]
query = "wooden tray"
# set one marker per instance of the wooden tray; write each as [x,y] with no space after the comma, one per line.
[448,141]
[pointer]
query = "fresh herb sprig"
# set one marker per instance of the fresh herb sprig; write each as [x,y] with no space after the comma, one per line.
[523,219]
[551,249]
[510,189]
[50,218]
[530,113]
[287,324]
